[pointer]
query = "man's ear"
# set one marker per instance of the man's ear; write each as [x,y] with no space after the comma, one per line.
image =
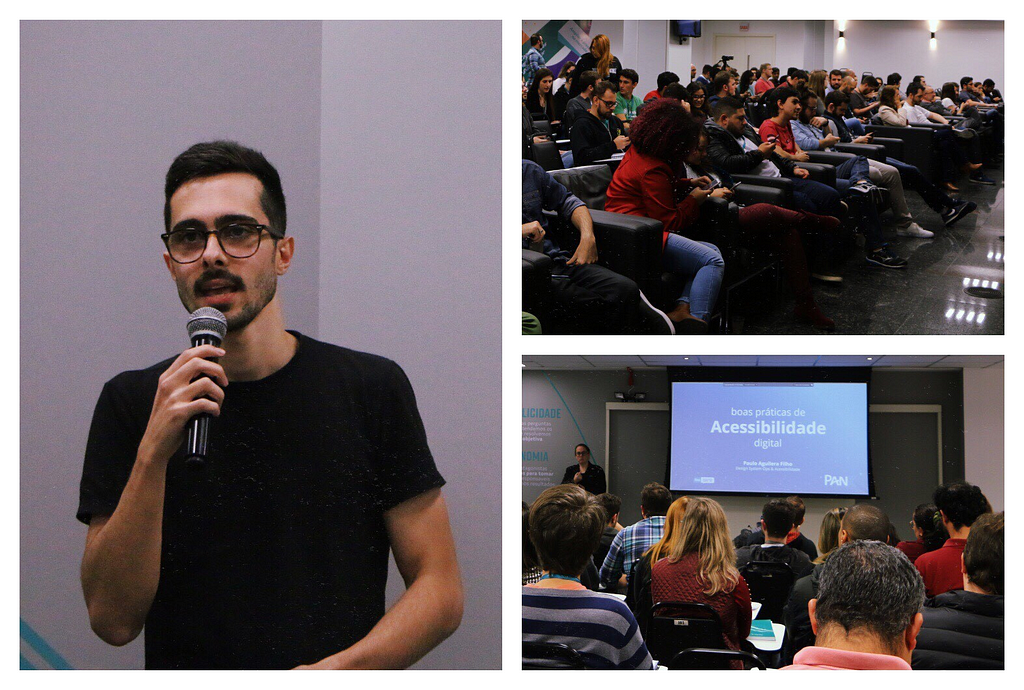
[283,253]
[910,634]
[812,606]
[170,264]
[844,536]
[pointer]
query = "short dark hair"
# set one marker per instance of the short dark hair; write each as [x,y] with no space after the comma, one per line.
[783,93]
[863,521]
[676,90]
[721,81]
[961,503]
[778,518]
[894,78]
[588,79]
[630,74]
[867,584]
[566,523]
[983,554]
[726,106]
[577,446]
[611,503]
[836,98]
[707,68]
[918,78]
[914,88]
[836,73]
[602,87]
[666,78]
[965,80]
[218,157]
[799,509]
[988,82]
[798,74]
[791,71]
[870,81]
[535,39]
[655,499]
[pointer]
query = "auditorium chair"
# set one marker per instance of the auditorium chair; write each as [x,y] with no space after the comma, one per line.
[678,625]
[546,155]
[918,148]
[712,660]
[770,584]
[551,656]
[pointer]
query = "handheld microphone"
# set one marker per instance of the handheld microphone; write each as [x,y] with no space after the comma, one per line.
[206,326]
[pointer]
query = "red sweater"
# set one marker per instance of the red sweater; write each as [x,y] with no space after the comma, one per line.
[940,569]
[681,582]
[783,135]
[912,549]
[645,186]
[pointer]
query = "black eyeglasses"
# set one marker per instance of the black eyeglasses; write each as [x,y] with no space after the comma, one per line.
[238,240]
[610,104]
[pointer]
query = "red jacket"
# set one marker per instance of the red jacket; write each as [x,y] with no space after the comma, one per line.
[646,186]
[940,569]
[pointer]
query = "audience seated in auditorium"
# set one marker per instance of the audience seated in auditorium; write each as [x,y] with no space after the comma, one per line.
[540,99]
[698,566]
[581,102]
[532,58]
[928,532]
[747,80]
[647,183]
[866,613]
[585,473]
[561,98]
[612,504]
[861,104]
[601,60]
[835,78]
[852,177]
[723,85]
[706,75]
[568,67]
[639,596]
[860,522]
[699,109]
[633,541]
[951,210]
[664,79]
[992,94]
[959,504]
[964,628]
[895,80]
[565,526]
[626,102]
[588,298]
[765,82]
[794,539]
[777,519]
[596,134]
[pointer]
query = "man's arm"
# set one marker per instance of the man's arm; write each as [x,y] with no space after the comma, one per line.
[611,569]
[431,608]
[935,117]
[586,252]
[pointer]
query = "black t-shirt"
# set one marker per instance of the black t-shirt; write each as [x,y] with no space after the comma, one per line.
[593,479]
[276,553]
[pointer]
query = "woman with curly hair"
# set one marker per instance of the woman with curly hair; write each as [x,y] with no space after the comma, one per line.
[539,97]
[601,60]
[700,566]
[648,183]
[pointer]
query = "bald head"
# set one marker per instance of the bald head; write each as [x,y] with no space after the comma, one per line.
[864,522]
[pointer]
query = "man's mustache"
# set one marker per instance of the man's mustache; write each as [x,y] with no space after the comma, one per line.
[231,281]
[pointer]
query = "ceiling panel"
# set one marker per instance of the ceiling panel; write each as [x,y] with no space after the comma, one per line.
[847,360]
[907,360]
[969,361]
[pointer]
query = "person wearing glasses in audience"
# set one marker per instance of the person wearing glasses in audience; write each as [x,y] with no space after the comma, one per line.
[597,134]
[318,466]
[585,473]
[699,108]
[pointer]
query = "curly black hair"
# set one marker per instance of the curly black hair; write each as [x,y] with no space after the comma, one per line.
[664,130]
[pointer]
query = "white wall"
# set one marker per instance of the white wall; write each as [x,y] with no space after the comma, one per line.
[983,432]
[644,46]
[790,38]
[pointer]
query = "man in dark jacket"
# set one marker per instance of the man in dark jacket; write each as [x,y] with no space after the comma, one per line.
[963,628]
[794,539]
[596,134]
[777,519]
[862,521]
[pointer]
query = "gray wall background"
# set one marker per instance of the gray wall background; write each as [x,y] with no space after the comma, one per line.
[105,107]
[586,393]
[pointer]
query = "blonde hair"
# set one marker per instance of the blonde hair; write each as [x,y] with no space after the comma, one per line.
[704,531]
[601,48]
[828,537]
[672,518]
[816,82]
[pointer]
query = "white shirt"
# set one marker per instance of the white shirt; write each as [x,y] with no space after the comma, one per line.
[767,168]
[914,113]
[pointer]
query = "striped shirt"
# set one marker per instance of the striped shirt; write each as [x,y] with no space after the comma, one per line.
[629,545]
[598,626]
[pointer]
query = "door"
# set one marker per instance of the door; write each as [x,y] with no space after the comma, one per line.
[637,455]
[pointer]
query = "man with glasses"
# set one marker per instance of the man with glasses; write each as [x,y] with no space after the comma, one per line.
[596,134]
[275,553]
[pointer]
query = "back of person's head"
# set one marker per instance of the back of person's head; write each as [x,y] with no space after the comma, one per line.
[725,106]
[887,96]
[927,519]
[836,98]
[535,40]
[655,498]
[816,82]
[983,554]
[677,91]
[666,78]
[949,90]
[704,531]
[791,71]
[706,70]
[894,78]
[961,503]
[828,536]
[721,81]
[869,81]
[867,586]
[630,74]
[863,521]
[588,79]
[913,89]
[799,509]
[611,503]
[671,533]
[777,515]
[529,553]
[964,81]
[219,157]
[780,95]
[665,131]
[566,523]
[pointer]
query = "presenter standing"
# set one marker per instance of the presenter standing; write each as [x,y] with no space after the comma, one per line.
[275,553]
[585,473]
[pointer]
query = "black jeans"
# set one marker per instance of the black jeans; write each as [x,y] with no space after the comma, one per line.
[591,299]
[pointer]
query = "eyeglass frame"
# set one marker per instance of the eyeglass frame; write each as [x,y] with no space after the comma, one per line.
[216,232]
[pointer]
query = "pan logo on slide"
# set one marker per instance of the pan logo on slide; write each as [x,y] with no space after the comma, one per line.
[833,480]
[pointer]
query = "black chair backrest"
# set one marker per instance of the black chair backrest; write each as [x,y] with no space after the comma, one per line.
[546,155]
[678,625]
[551,655]
[542,127]
[770,584]
[589,183]
[712,660]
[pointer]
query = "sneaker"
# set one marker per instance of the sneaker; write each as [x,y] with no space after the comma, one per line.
[914,230]
[865,188]
[654,320]
[981,178]
[958,211]
[886,259]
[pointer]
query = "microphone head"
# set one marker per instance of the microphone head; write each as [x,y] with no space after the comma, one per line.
[207,321]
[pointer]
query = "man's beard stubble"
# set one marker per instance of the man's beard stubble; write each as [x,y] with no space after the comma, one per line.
[265,290]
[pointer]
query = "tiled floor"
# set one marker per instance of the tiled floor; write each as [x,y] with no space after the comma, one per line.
[928,296]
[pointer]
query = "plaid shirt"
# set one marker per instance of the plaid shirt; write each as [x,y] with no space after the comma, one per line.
[532,61]
[629,545]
